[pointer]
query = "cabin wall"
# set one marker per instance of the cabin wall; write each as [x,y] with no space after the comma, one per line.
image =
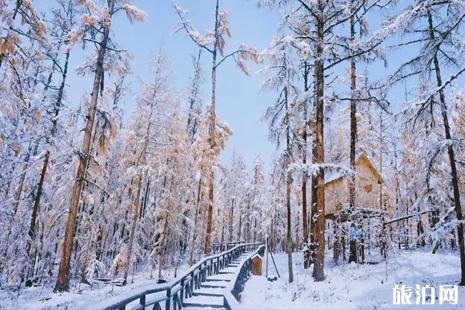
[336,194]
[367,188]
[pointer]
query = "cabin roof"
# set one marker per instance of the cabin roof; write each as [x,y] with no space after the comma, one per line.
[362,159]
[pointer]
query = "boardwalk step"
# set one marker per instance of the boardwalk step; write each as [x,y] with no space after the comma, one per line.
[208,291]
[212,286]
[225,272]
[205,301]
[218,280]
[207,294]
[201,306]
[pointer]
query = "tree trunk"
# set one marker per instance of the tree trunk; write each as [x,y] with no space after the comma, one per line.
[239,231]
[450,151]
[35,208]
[62,283]
[288,184]
[194,234]
[289,235]
[231,221]
[353,111]
[211,132]
[337,239]
[162,247]
[19,189]
[208,235]
[352,250]
[318,190]
[135,218]
[307,254]
[38,196]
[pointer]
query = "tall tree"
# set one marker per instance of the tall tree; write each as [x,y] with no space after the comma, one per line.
[102,26]
[64,21]
[436,27]
[282,122]
[214,43]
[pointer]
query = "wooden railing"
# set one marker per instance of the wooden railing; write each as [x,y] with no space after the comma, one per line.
[221,247]
[233,292]
[171,296]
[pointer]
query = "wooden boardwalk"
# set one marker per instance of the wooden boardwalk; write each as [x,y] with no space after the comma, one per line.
[213,291]
[216,282]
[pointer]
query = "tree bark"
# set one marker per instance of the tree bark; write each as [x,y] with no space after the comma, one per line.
[19,189]
[162,246]
[62,283]
[35,208]
[289,235]
[353,111]
[231,221]
[132,234]
[288,185]
[211,132]
[194,235]
[40,185]
[307,255]
[318,190]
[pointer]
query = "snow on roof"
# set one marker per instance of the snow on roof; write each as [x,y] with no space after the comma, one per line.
[334,175]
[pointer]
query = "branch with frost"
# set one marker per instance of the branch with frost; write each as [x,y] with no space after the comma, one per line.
[98,186]
[240,56]
[442,228]
[194,35]
[438,149]
[314,169]
[420,105]
[98,18]
[133,13]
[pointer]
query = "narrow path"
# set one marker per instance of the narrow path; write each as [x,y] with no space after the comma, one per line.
[211,292]
[214,282]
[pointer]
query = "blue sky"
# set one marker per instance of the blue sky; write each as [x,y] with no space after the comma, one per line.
[240,101]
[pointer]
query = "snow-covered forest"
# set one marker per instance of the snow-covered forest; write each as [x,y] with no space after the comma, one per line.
[128,182]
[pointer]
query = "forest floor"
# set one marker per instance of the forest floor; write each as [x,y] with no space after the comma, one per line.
[348,286]
[354,286]
[81,297]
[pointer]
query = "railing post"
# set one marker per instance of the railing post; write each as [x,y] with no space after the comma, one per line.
[168,299]
[203,272]
[192,283]
[182,291]
[142,301]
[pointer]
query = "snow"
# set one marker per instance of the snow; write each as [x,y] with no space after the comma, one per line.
[86,298]
[352,286]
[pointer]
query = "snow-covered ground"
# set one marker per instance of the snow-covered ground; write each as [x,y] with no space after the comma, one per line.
[83,297]
[349,286]
[354,286]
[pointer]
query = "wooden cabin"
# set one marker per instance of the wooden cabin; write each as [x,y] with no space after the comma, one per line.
[367,186]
